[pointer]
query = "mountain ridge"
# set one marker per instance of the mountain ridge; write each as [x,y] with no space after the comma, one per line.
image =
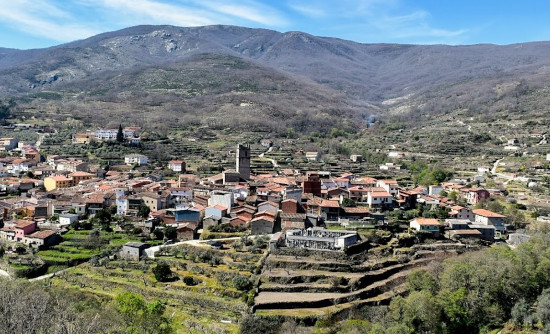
[393,79]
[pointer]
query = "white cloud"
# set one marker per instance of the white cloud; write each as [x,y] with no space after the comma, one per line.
[378,20]
[154,12]
[311,11]
[414,26]
[42,18]
[65,21]
[249,10]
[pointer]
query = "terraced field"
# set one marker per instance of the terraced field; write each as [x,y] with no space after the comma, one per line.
[209,302]
[304,287]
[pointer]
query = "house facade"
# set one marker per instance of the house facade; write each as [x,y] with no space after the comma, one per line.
[486,217]
[176,165]
[429,225]
[138,159]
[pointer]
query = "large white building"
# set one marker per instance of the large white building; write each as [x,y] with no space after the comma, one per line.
[106,134]
[138,159]
[320,238]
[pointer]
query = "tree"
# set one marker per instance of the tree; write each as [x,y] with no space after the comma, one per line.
[543,307]
[453,195]
[420,280]
[170,233]
[253,324]
[20,249]
[520,312]
[159,235]
[141,317]
[103,216]
[144,211]
[237,246]
[348,202]
[5,110]
[241,282]
[120,134]
[93,241]
[162,272]
[112,209]
[515,217]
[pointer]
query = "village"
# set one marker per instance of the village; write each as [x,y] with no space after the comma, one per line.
[46,197]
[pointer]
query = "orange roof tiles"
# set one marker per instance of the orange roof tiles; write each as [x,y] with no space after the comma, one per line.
[487,213]
[330,204]
[427,221]
[41,234]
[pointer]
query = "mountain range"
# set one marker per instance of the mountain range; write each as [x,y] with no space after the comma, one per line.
[219,70]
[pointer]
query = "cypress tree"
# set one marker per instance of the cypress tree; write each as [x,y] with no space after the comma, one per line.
[120,135]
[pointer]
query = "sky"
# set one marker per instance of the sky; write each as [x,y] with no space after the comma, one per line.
[27,24]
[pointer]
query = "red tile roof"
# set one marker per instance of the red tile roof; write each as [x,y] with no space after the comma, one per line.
[23,223]
[427,221]
[487,213]
[330,204]
[41,234]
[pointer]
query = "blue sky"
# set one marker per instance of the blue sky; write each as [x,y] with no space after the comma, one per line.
[26,24]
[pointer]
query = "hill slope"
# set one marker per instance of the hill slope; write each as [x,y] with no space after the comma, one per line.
[293,71]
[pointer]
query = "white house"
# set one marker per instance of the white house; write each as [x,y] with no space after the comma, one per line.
[181,195]
[18,166]
[313,156]
[430,225]
[222,198]
[486,217]
[389,185]
[130,132]
[176,165]
[138,159]
[460,212]
[394,154]
[106,134]
[390,166]
[67,219]
[379,199]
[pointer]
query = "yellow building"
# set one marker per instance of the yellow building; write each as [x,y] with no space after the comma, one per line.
[83,138]
[55,182]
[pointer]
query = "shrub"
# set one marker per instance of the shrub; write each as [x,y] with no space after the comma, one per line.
[162,272]
[253,324]
[241,282]
[191,281]
[20,249]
